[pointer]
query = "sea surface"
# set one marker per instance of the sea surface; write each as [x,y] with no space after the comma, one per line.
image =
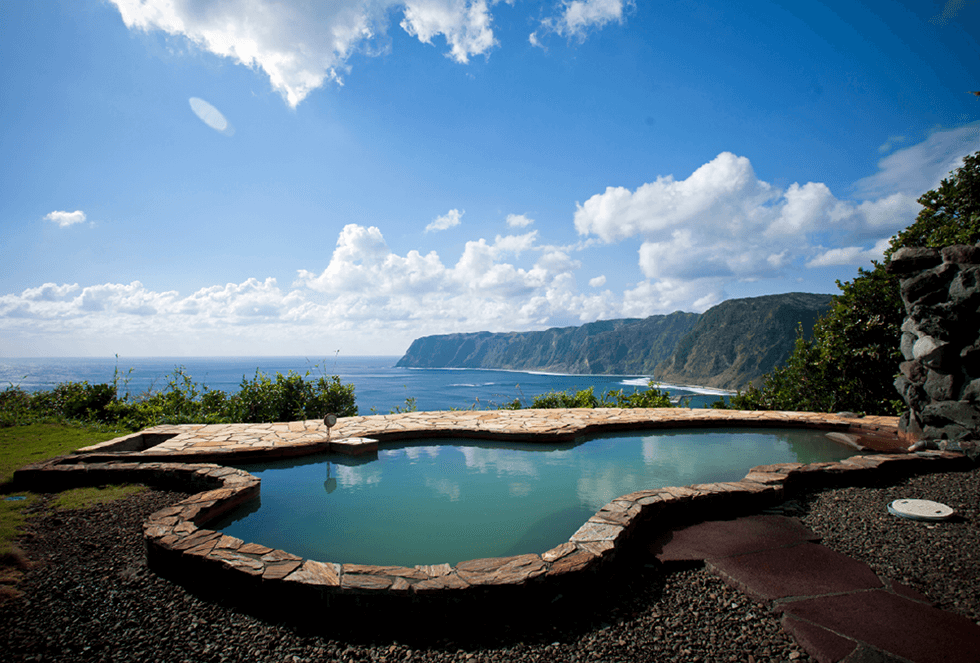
[379,387]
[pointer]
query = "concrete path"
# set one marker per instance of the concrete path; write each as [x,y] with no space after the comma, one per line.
[836,607]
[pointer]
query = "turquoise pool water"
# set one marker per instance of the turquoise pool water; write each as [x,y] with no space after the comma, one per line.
[449,500]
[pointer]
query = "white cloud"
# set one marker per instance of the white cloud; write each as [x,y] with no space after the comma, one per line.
[518,221]
[918,168]
[451,219]
[576,17]
[890,143]
[515,244]
[482,290]
[850,255]
[300,44]
[723,222]
[465,25]
[695,239]
[211,116]
[668,295]
[65,219]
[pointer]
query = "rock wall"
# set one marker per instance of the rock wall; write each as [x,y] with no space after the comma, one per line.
[940,377]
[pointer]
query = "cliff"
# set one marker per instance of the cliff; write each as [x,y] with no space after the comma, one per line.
[738,341]
[728,346]
[626,347]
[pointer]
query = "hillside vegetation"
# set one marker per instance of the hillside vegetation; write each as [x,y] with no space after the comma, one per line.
[736,342]
[630,346]
[729,346]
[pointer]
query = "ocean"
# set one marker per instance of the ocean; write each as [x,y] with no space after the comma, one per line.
[379,387]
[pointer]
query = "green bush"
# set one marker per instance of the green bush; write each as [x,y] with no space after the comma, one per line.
[261,400]
[586,398]
[291,398]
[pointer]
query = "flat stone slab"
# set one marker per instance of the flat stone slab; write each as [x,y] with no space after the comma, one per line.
[717,539]
[836,607]
[888,622]
[807,569]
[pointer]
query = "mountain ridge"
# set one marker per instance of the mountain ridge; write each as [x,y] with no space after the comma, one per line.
[728,346]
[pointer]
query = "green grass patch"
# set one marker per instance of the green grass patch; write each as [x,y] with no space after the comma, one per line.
[11,521]
[81,498]
[22,445]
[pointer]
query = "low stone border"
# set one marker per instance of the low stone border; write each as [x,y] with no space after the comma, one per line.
[179,545]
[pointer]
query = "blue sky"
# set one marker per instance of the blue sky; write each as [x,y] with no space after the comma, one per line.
[249,177]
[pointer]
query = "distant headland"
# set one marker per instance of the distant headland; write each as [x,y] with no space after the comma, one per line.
[728,346]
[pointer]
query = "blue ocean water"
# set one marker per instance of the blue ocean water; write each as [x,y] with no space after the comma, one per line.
[379,387]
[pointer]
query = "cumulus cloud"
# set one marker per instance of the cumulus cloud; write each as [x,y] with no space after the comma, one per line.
[724,222]
[850,255]
[451,219]
[466,26]
[300,45]
[483,289]
[519,221]
[374,299]
[65,219]
[598,281]
[576,18]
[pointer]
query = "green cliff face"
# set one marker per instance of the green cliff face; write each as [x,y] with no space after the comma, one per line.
[626,347]
[740,340]
[728,346]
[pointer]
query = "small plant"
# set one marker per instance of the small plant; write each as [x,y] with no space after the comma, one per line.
[410,406]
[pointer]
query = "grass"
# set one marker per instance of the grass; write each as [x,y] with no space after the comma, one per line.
[22,445]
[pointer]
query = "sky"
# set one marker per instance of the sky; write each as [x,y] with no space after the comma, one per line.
[304,178]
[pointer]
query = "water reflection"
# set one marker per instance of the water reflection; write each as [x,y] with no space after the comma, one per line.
[446,500]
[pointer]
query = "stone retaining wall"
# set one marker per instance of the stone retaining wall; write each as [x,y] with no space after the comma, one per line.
[940,377]
[179,545]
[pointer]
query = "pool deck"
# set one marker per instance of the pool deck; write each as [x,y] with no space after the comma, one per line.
[835,607]
[357,435]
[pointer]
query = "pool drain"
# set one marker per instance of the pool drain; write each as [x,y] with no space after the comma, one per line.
[920,509]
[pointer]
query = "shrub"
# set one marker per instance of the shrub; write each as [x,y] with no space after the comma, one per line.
[261,400]
[586,398]
[291,398]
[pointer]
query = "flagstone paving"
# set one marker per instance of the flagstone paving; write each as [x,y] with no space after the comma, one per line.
[355,435]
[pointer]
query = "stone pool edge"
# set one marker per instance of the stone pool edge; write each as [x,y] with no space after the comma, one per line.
[179,546]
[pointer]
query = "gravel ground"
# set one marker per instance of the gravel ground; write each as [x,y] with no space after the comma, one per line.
[92,598]
[940,560]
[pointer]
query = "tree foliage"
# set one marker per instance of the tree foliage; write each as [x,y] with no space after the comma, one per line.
[851,360]
[950,214]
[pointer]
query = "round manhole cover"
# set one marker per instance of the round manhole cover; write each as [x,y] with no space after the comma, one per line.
[920,509]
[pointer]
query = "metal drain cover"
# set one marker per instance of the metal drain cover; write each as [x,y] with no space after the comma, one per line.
[920,509]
